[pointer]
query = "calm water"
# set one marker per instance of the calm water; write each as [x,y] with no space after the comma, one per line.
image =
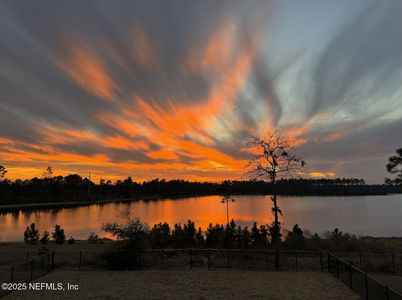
[371,215]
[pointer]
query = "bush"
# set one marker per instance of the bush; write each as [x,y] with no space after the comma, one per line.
[71,240]
[295,239]
[31,234]
[45,238]
[93,238]
[134,232]
[58,235]
[133,237]
[123,256]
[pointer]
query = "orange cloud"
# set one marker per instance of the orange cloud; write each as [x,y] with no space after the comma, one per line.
[88,71]
[143,52]
[322,174]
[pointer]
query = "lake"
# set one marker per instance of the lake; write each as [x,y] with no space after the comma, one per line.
[360,215]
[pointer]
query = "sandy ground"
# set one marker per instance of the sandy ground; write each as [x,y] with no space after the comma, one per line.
[192,285]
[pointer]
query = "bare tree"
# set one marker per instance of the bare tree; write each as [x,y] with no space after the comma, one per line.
[48,173]
[3,171]
[273,159]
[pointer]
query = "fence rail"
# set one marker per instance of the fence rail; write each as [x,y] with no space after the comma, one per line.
[385,263]
[27,271]
[346,267]
[360,282]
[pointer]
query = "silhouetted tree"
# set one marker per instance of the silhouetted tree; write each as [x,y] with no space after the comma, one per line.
[230,230]
[295,238]
[31,234]
[58,235]
[273,159]
[3,171]
[215,236]
[245,237]
[394,167]
[199,238]
[178,236]
[190,232]
[160,235]
[134,232]
[48,173]
[255,235]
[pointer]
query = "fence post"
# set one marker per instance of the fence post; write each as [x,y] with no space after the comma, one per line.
[329,262]
[80,260]
[321,267]
[366,285]
[238,259]
[27,259]
[48,262]
[337,267]
[162,258]
[296,260]
[386,292]
[32,267]
[393,264]
[209,258]
[350,275]
[361,262]
[267,260]
[12,274]
[191,258]
[277,260]
[53,259]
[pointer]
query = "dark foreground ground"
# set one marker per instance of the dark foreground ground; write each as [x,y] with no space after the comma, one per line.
[192,285]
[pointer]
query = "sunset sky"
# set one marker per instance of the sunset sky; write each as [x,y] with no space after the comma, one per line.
[176,89]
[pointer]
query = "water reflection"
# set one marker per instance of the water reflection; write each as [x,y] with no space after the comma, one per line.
[373,215]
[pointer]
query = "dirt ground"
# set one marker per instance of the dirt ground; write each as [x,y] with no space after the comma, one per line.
[192,285]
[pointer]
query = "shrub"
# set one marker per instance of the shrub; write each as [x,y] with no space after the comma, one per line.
[133,237]
[295,238]
[122,256]
[71,240]
[93,238]
[134,232]
[45,238]
[58,235]
[31,234]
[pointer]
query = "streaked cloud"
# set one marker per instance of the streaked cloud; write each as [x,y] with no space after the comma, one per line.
[176,89]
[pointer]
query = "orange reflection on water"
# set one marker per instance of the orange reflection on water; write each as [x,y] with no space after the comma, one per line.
[80,221]
[361,215]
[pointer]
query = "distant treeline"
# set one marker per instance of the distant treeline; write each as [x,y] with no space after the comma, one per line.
[75,188]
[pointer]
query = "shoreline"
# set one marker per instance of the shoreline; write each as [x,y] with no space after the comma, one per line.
[49,205]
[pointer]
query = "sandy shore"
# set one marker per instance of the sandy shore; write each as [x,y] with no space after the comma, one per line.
[192,285]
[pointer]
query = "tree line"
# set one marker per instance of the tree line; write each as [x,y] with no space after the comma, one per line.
[73,187]
[137,235]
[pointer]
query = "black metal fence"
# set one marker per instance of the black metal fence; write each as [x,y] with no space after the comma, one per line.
[345,266]
[386,263]
[187,259]
[26,272]
[360,282]
[382,263]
